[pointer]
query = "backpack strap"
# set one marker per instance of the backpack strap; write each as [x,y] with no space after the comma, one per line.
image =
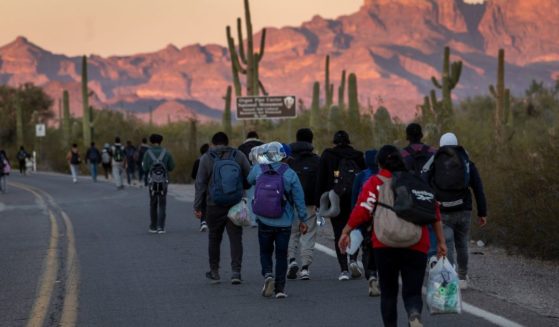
[282,169]
[161,155]
[151,155]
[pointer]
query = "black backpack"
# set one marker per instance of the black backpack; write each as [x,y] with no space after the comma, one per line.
[157,176]
[417,159]
[451,176]
[306,166]
[75,158]
[344,176]
[414,199]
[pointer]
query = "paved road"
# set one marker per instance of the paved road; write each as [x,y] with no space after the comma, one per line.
[80,255]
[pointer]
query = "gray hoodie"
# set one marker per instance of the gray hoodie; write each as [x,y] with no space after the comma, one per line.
[205,171]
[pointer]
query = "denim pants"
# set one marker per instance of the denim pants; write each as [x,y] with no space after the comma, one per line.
[93,170]
[410,264]
[218,222]
[118,171]
[456,228]
[130,173]
[303,243]
[74,169]
[157,210]
[270,237]
[142,175]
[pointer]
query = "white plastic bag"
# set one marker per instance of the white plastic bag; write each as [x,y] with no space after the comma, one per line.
[443,288]
[239,214]
[356,238]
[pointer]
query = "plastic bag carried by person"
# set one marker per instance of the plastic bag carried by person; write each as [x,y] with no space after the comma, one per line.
[443,288]
[239,214]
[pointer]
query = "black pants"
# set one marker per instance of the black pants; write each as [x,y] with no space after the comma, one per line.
[369,261]
[22,167]
[410,264]
[107,170]
[218,222]
[338,225]
[157,210]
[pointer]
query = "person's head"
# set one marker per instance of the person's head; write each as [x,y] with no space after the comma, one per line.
[74,145]
[204,148]
[117,139]
[155,139]
[389,158]
[220,138]
[371,159]
[92,144]
[341,138]
[414,134]
[144,140]
[21,148]
[252,135]
[305,135]
[448,139]
[129,143]
[107,145]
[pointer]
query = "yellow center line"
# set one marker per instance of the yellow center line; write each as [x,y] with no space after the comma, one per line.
[70,308]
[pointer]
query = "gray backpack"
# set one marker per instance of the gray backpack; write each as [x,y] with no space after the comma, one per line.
[157,176]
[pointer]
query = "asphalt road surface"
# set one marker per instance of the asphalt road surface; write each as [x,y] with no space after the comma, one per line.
[81,255]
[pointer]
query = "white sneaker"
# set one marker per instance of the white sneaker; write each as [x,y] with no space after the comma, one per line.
[344,275]
[268,288]
[203,227]
[304,274]
[415,322]
[374,289]
[355,270]
[281,295]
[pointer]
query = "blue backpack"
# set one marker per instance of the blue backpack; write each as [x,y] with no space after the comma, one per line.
[269,193]
[227,182]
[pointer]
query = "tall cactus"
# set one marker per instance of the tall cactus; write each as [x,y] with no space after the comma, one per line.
[193,137]
[227,113]
[86,110]
[19,119]
[315,107]
[248,57]
[328,88]
[502,97]
[66,128]
[450,78]
[341,92]
[353,98]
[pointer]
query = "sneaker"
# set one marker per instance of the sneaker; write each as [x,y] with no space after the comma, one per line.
[304,274]
[355,270]
[463,283]
[344,275]
[236,278]
[281,295]
[213,276]
[374,289]
[203,227]
[415,321]
[292,270]
[161,231]
[268,289]
[153,230]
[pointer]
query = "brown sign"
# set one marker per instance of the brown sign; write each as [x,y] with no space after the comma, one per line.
[266,107]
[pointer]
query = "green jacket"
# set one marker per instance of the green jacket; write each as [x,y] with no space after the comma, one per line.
[156,150]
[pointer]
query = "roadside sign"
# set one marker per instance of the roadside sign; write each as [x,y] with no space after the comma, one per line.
[266,107]
[40,130]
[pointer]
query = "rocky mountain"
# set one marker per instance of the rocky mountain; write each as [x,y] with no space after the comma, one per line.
[394,47]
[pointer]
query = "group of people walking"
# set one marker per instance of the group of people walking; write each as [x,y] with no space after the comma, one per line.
[289,189]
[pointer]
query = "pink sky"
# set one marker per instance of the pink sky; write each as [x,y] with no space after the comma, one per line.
[118,27]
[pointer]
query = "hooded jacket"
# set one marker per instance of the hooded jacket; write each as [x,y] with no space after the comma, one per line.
[305,151]
[248,144]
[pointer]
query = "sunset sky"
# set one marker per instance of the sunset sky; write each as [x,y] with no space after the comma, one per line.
[119,27]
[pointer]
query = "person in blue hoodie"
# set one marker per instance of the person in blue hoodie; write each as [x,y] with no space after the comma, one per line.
[274,233]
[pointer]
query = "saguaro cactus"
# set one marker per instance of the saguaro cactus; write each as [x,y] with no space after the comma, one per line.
[66,128]
[86,110]
[248,57]
[193,137]
[449,80]
[341,92]
[315,107]
[353,98]
[328,88]
[501,94]
[227,113]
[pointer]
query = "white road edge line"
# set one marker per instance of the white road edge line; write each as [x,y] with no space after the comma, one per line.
[471,309]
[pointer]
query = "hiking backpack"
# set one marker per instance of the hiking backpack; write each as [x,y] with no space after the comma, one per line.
[106,157]
[21,155]
[451,176]
[269,193]
[226,187]
[157,176]
[418,158]
[75,158]
[390,229]
[306,166]
[93,156]
[118,154]
[344,176]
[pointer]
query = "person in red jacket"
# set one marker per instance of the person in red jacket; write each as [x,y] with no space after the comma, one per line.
[409,262]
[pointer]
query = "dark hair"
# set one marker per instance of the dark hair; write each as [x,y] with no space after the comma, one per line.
[341,138]
[204,148]
[155,139]
[144,140]
[117,139]
[74,145]
[305,135]
[21,147]
[220,138]
[252,135]
[92,144]
[389,158]
[414,133]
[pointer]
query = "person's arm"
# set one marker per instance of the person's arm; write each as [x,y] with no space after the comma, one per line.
[298,196]
[202,182]
[195,169]
[69,156]
[438,228]
[170,162]
[355,190]
[253,174]
[245,166]
[146,163]
[477,186]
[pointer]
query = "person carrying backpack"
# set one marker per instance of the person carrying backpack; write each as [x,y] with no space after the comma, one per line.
[157,164]
[138,159]
[220,182]
[277,194]
[400,246]
[250,142]
[118,163]
[21,156]
[338,167]
[74,161]
[452,174]
[305,163]
[93,158]
[130,151]
[106,159]
[203,149]
[416,154]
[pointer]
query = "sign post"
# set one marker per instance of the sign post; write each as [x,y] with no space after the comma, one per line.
[266,107]
[40,132]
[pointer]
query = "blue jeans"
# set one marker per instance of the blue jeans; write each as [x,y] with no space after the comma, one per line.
[268,237]
[93,170]
[456,228]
